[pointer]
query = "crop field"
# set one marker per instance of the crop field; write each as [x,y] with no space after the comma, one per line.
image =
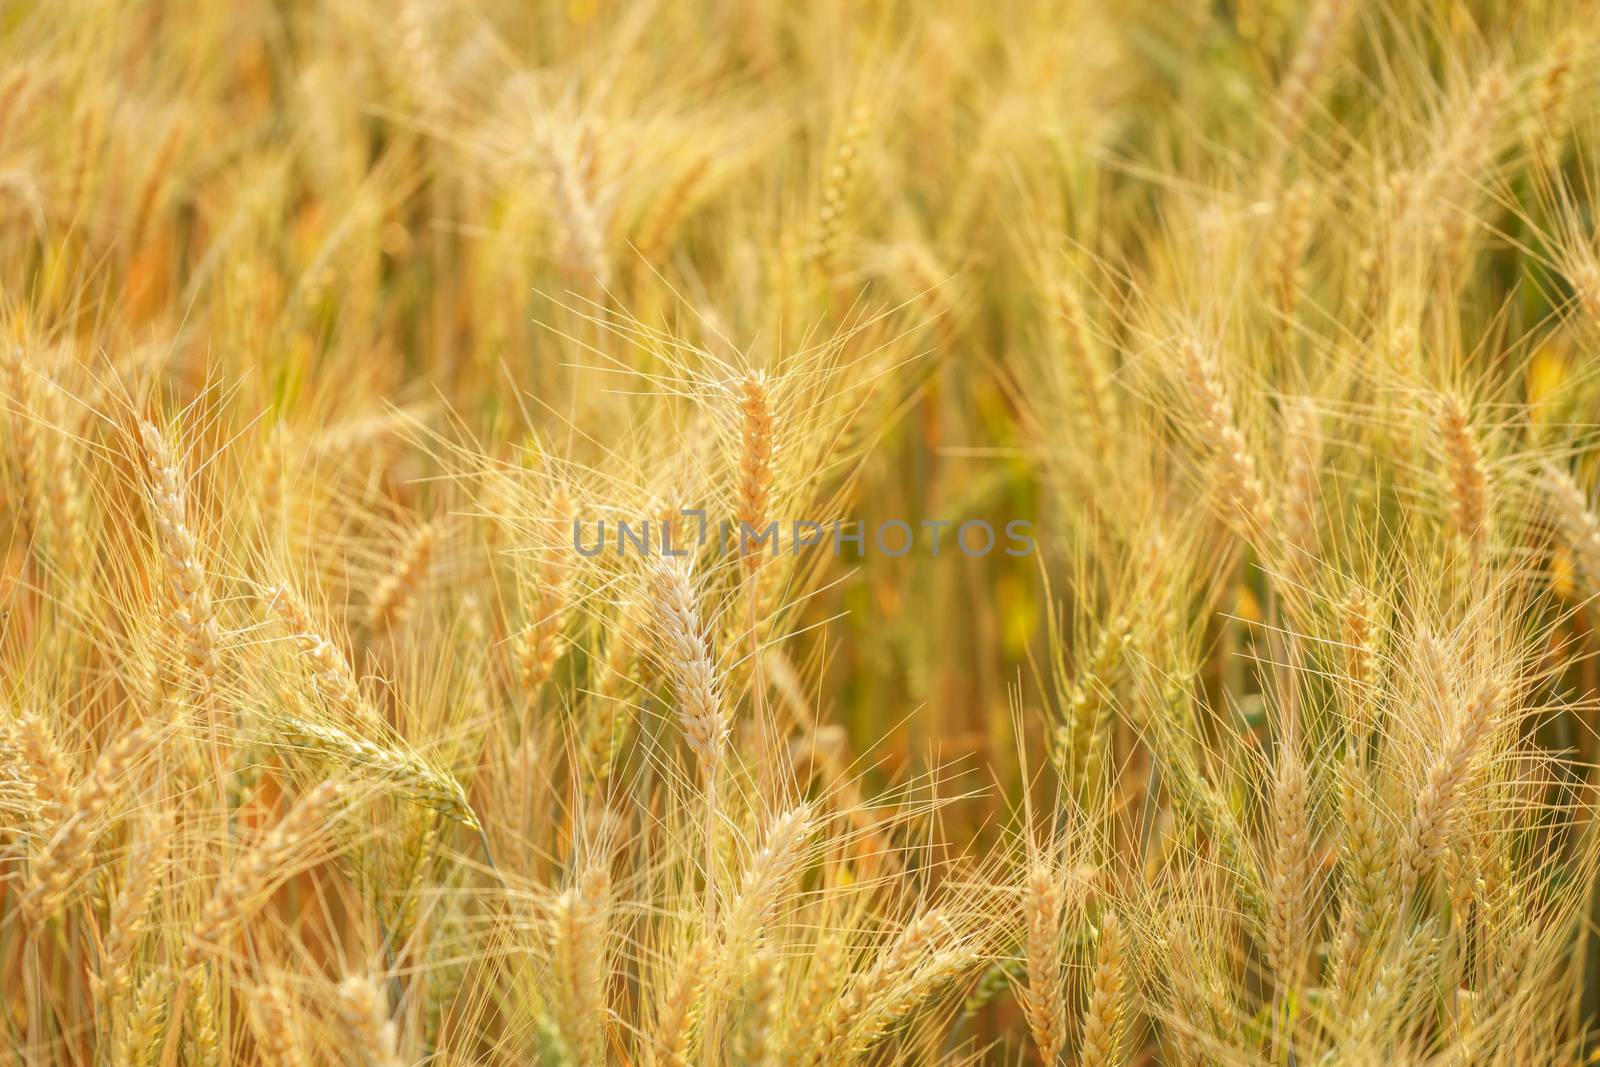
[755,533]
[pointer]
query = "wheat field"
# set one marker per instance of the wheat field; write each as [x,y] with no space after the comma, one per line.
[584,532]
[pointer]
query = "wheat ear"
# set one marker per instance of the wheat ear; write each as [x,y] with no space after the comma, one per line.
[568,161]
[771,871]
[670,209]
[1288,252]
[331,673]
[701,715]
[257,871]
[1301,489]
[755,459]
[607,726]
[397,591]
[1042,997]
[539,645]
[1363,848]
[187,586]
[1289,886]
[275,1023]
[1469,146]
[66,855]
[804,1045]
[1552,93]
[1238,483]
[1102,1016]
[670,1043]
[838,186]
[1310,59]
[364,1013]
[22,432]
[870,1003]
[579,919]
[45,467]
[204,1041]
[1431,823]
[1578,525]
[129,916]
[414,777]
[1355,632]
[1469,483]
[944,957]
[136,1045]
[764,1001]
[48,774]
